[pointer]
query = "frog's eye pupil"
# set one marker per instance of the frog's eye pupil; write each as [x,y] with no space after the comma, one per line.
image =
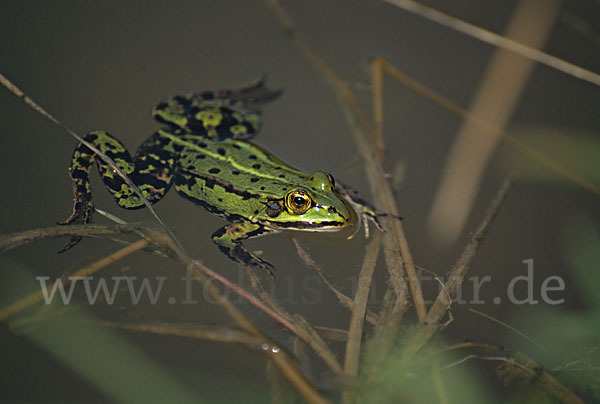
[299,200]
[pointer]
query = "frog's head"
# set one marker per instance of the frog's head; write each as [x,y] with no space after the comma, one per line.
[316,207]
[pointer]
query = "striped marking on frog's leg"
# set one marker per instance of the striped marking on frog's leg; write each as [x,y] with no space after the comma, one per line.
[81,161]
[220,114]
[228,239]
[151,171]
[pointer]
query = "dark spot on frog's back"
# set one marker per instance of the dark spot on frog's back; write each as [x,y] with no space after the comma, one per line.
[252,157]
[207,95]
[254,179]
[214,171]
[182,100]
[221,151]
[115,155]
[235,172]
[79,174]
[281,176]
[256,166]
[200,156]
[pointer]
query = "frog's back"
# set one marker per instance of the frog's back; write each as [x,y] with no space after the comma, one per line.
[248,166]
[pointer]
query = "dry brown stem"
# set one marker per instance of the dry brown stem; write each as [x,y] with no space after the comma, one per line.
[355,330]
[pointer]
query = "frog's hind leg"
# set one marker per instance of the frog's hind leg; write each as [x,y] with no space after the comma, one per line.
[151,170]
[229,240]
[82,191]
[219,114]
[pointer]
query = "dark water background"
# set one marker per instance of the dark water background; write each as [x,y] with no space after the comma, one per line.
[103,65]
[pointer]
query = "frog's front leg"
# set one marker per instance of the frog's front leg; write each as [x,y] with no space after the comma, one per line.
[364,209]
[229,240]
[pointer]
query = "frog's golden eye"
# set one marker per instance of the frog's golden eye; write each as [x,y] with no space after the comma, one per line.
[298,201]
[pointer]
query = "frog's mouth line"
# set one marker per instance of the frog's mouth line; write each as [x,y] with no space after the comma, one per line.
[322,226]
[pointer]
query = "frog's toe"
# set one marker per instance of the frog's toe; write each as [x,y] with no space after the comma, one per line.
[70,219]
[76,214]
[80,209]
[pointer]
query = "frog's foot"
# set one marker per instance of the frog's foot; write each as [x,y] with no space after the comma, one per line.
[365,211]
[243,256]
[228,239]
[80,209]
[372,214]
[249,96]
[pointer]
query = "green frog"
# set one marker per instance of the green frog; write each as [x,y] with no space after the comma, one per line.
[205,153]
